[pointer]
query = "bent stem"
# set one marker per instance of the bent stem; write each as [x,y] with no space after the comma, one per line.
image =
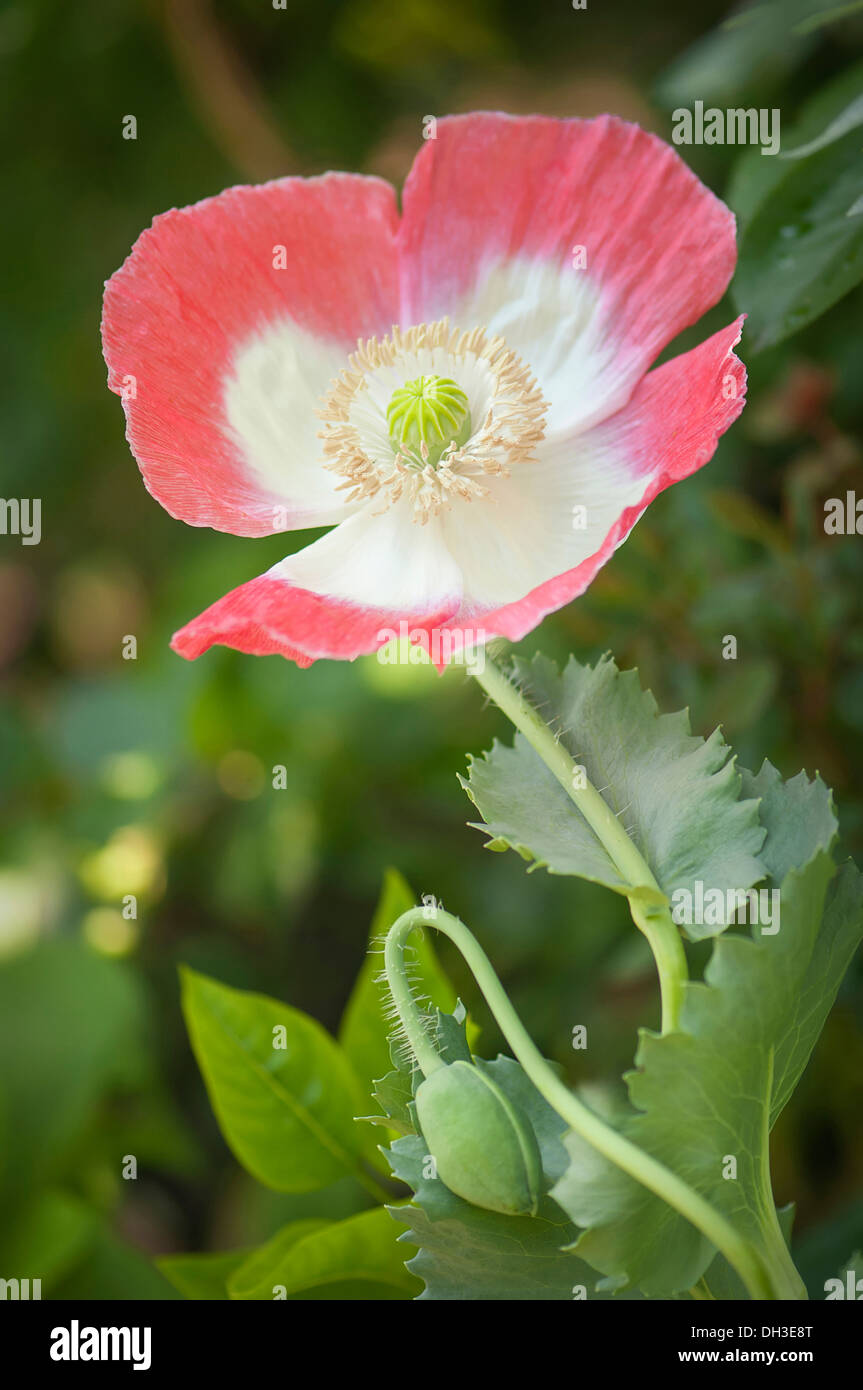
[641,1166]
[646,902]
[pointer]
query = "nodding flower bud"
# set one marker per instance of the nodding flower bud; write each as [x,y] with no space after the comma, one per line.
[484,1148]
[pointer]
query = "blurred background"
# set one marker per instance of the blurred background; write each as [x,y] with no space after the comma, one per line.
[152,777]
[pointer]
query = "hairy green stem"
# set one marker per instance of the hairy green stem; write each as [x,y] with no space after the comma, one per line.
[427,1056]
[641,1166]
[650,914]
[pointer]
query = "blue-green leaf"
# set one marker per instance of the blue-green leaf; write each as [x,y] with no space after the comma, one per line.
[704,1097]
[677,795]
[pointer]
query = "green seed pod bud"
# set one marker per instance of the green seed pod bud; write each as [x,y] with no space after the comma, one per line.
[483,1146]
[426,416]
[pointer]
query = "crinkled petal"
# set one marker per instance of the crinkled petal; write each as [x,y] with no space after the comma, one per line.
[588,244]
[221,355]
[669,428]
[372,579]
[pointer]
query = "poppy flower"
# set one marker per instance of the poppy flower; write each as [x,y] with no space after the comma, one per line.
[460,390]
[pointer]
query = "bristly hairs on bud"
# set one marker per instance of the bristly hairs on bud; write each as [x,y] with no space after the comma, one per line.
[425,1012]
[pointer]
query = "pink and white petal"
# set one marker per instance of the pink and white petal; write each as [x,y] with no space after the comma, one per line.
[669,429]
[494,209]
[544,519]
[371,579]
[221,356]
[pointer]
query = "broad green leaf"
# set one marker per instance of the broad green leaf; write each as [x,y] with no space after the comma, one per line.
[748,52]
[707,1094]
[676,794]
[826,12]
[756,176]
[849,119]
[364,1031]
[722,1283]
[357,1258]
[202,1277]
[285,1110]
[71,1027]
[802,248]
[799,814]
[258,1211]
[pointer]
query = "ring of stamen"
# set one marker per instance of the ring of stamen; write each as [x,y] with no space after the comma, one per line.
[504,402]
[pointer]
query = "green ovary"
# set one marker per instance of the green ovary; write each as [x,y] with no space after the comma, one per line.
[426,416]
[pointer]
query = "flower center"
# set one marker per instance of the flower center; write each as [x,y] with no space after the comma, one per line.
[430,415]
[427,416]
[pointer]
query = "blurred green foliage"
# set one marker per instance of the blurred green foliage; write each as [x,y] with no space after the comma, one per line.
[154,777]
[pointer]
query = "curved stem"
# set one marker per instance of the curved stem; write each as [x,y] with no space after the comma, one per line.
[665,943]
[399,986]
[649,910]
[786,1276]
[608,1141]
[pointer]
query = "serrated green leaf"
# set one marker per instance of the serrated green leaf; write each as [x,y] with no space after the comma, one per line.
[453,1034]
[393,1093]
[800,814]
[202,1278]
[676,794]
[709,1092]
[286,1112]
[360,1257]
